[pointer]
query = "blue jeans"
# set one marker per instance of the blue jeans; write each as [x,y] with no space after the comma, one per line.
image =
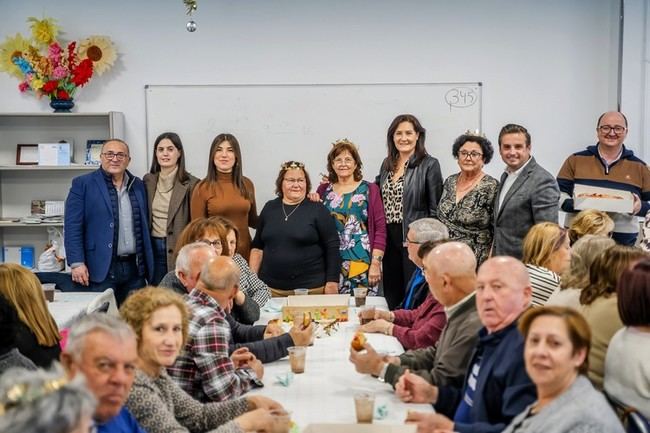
[159,260]
[122,277]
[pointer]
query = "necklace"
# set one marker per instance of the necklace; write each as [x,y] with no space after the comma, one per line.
[286,217]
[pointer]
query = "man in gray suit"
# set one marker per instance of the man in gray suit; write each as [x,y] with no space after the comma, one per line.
[527,193]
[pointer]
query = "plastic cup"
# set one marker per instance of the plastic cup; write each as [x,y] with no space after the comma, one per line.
[48,290]
[360,294]
[367,314]
[297,355]
[301,292]
[364,405]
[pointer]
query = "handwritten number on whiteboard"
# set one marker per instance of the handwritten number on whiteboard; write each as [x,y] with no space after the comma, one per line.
[461,97]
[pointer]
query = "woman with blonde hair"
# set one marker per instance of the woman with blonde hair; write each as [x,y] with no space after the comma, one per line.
[160,320]
[576,277]
[599,303]
[547,255]
[590,222]
[38,336]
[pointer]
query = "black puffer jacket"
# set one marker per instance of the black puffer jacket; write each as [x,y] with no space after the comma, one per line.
[422,189]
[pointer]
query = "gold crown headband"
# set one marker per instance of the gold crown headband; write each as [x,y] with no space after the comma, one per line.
[292,164]
[475,133]
[21,393]
[344,141]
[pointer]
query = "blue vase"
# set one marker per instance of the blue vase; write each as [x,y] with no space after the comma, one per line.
[62,105]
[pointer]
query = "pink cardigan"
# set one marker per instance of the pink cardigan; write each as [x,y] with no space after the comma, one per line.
[421,327]
[376,217]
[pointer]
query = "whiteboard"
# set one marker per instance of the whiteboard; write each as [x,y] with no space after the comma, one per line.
[275,123]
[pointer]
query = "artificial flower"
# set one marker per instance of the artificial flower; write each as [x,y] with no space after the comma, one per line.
[10,48]
[100,50]
[59,72]
[50,86]
[82,73]
[62,94]
[23,86]
[44,31]
[37,84]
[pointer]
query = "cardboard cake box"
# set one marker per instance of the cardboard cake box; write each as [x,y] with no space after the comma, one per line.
[605,199]
[321,307]
[360,428]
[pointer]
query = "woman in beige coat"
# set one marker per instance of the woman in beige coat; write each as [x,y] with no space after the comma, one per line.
[169,189]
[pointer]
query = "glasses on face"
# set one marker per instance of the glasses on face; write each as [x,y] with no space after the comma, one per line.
[120,156]
[472,155]
[407,241]
[291,180]
[606,129]
[213,244]
[340,161]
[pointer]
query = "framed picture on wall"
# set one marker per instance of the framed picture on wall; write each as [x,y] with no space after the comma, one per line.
[27,154]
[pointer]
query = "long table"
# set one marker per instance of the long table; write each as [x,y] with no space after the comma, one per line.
[324,392]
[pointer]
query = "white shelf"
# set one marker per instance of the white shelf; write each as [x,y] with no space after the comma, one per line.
[19,224]
[76,167]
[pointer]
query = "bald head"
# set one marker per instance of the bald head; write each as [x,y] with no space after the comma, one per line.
[219,273]
[450,271]
[503,292]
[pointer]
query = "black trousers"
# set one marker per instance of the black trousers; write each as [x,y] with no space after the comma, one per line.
[396,266]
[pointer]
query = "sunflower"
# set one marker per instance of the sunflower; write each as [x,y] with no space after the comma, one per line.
[44,31]
[10,48]
[100,50]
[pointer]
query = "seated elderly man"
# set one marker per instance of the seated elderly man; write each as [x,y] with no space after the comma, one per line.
[497,387]
[450,270]
[103,348]
[420,231]
[417,328]
[266,343]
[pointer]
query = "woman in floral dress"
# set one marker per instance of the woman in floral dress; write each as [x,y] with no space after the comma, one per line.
[467,203]
[358,214]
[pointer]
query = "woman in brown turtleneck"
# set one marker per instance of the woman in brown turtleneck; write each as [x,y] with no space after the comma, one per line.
[226,192]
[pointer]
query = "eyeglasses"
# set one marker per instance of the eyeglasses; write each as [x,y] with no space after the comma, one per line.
[606,129]
[407,241]
[290,180]
[213,244]
[120,156]
[472,155]
[339,161]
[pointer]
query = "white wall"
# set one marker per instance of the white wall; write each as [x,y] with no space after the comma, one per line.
[548,65]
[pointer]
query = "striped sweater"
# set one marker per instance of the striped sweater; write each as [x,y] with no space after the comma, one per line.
[629,173]
[544,283]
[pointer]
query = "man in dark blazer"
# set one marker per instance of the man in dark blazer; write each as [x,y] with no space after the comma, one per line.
[527,195]
[107,238]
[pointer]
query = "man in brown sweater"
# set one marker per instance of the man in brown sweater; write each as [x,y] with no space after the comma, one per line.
[446,362]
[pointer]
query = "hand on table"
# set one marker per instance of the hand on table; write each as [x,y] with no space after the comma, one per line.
[242,357]
[261,402]
[368,362]
[331,288]
[273,330]
[379,326]
[430,422]
[263,420]
[412,388]
[80,275]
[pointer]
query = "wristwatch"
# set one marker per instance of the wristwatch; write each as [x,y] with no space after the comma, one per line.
[378,258]
[382,373]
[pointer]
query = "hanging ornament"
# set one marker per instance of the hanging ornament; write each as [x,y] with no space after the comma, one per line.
[191,26]
[191,7]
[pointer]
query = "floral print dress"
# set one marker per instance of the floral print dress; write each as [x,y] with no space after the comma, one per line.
[350,214]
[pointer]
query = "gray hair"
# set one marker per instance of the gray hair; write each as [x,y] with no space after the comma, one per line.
[220,273]
[49,403]
[429,229]
[96,322]
[184,258]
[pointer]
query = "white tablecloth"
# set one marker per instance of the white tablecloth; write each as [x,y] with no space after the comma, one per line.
[66,305]
[324,393]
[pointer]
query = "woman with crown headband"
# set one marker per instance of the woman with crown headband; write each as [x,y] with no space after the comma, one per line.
[296,244]
[357,211]
[467,203]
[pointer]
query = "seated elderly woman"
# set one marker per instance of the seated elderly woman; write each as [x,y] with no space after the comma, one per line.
[556,356]
[576,276]
[296,244]
[159,318]
[627,370]
[547,255]
[44,401]
[211,231]
[599,303]
[37,336]
[590,222]
[249,283]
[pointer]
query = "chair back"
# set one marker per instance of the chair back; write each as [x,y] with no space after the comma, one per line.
[633,421]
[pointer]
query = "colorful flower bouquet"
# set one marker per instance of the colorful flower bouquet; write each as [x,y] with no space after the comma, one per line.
[48,67]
